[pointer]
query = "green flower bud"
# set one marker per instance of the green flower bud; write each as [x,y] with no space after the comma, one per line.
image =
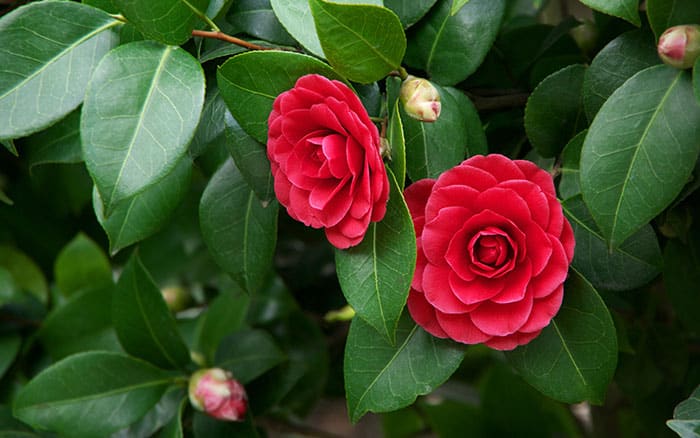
[420,99]
[679,46]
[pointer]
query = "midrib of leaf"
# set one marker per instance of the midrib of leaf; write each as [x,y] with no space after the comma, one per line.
[386,367]
[433,47]
[255,92]
[60,55]
[154,84]
[640,145]
[568,353]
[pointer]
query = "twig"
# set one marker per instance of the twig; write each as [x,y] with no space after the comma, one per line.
[229,39]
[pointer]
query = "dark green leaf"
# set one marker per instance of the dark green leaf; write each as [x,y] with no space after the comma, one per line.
[251,159]
[225,314]
[239,231]
[457,5]
[9,347]
[105,5]
[618,61]
[144,324]
[381,377]
[376,274]
[9,144]
[574,358]
[48,51]
[145,213]
[248,354]
[207,427]
[696,79]
[640,150]
[256,18]
[219,49]
[159,416]
[666,13]
[554,111]
[174,427]
[409,12]
[140,112]
[686,416]
[10,427]
[636,262]
[211,131]
[58,144]
[5,199]
[362,42]
[26,275]
[81,264]
[167,21]
[477,143]
[450,419]
[681,277]
[625,9]
[569,184]
[451,47]
[251,81]
[397,143]
[91,394]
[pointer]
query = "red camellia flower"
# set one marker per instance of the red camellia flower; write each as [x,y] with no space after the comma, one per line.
[325,159]
[493,252]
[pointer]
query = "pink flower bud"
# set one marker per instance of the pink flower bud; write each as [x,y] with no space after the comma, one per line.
[420,99]
[679,46]
[215,392]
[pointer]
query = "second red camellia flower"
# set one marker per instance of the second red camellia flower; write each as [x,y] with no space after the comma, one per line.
[324,153]
[494,250]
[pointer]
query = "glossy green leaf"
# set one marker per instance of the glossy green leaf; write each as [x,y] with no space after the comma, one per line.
[140,112]
[211,131]
[633,264]
[625,9]
[663,14]
[167,21]
[248,354]
[256,18]
[364,43]
[26,275]
[105,5]
[251,159]
[554,111]
[58,144]
[91,394]
[457,5]
[159,416]
[432,148]
[574,358]
[251,81]
[205,426]
[173,429]
[143,214]
[48,51]
[569,184]
[696,79]
[144,324]
[375,275]
[681,277]
[225,314]
[240,233]
[640,151]
[618,61]
[686,416]
[409,12]
[381,377]
[296,18]
[83,323]
[451,47]
[397,143]
[81,264]
[9,347]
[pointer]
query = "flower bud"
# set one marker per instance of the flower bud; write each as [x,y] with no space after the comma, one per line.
[176,297]
[420,99]
[215,392]
[679,46]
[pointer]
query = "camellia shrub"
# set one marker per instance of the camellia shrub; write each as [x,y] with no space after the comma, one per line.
[460,217]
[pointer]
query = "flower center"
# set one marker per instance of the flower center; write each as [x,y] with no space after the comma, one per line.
[491,252]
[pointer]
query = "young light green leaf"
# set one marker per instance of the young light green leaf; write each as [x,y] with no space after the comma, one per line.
[686,416]
[574,358]
[91,394]
[48,51]
[141,110]
[663,14]
[451,47]
[625,9]
[239,231]
[364,43]
[251,81]
[58,144]
[554,111]
[569,184]
[81,264]
[167,21]
[416,365]
[409,12]
[640,150]
[375,275]
[144,324]
[397,142]
[9,347]
[248,354]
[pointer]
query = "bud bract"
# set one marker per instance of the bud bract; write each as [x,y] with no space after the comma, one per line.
[679,46]
[420,99]
[215,392]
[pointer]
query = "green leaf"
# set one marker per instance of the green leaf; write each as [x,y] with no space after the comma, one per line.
[208,427]
[174,427]
[451,47]
[211,130]
[167,21]
[256,18]
[81,264]
[83,323]
[48,51]
[681,277]
[640,151]
[432,148]
[686,416]
[554,111]
[574,358]
[409,12]
[248,354]
[375,275]
[618,61]
[58,144]
[397,142]
[26,275]
[636,262]
[91,394]
[5,199]
[9,347]
[143,214]
[666,13]
[362,42]
[381,377]
[159,415]
[296,18]
[225,314]
[569,184]
[457,5]
[239,231]
[696,79]
[144,324]
[9,144]
[625,9]
[251,81]
[141,110]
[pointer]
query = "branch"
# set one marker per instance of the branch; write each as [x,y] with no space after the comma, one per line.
[217,35]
